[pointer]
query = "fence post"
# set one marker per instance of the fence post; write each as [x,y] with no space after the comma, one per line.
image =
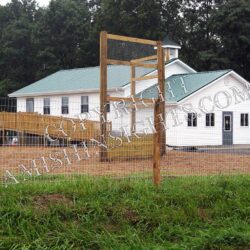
[4,137]
[161,83]
[103,94]
[21,137]
[133,111]
[157,144]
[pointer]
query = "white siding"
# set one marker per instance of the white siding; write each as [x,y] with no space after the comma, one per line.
[56,102]
[178,133]
[182,135]
[75,107]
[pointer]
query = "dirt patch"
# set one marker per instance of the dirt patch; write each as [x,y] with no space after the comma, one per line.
[45,201]
[202,213]
[111,227]
[174,163]
[131,216]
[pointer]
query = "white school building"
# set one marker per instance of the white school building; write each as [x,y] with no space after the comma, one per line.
[202,108]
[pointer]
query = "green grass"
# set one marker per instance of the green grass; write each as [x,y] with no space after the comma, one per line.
[183,213]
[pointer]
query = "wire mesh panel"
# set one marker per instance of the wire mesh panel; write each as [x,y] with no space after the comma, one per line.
[193,129]
[53,137]
[127,50]
[196,145]
[35,146]
[134,53]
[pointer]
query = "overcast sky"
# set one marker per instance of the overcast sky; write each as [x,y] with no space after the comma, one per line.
[40,2]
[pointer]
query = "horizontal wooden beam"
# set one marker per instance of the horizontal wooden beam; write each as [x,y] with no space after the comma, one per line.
[144,65]
[143,59]
[118,62]
[131,39]
[141,106]
[130,99]
[128,63]
[143,78]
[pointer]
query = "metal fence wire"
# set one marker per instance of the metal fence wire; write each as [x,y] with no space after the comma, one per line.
[63,138]
[34,146]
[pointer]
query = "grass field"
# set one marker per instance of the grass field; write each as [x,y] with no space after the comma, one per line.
[183,213]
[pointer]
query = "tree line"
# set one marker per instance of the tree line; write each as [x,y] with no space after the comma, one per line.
[36,41]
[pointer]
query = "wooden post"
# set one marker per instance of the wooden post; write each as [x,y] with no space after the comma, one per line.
[44,141]
[157,145]
[161,82]
[3,137]
[167,55]
[22,138]
[133,111]
[103,93]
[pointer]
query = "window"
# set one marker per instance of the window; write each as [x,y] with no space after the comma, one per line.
[30,105]
[210,120]
[192,120]
[227,122]
[107,106]
[244,120]
[84,104]
[172,53]
[46,106]
[65,105]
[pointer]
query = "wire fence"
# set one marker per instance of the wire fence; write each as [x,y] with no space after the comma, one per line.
[37,146]
[58,137]
[46,146]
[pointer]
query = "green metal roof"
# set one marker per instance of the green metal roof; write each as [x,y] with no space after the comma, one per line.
[168,42]
[174,85]
[80,79]
[84,79]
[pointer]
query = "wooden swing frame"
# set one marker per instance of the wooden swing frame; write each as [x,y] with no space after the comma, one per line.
[159,140]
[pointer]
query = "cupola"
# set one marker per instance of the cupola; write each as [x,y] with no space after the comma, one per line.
[171,48]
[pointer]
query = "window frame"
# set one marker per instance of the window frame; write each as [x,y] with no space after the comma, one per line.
[46,106]
[244,120]
[172,52]
[210,120]
[33,102]
[65,107]
[192,121]
[84,105]
[229,129]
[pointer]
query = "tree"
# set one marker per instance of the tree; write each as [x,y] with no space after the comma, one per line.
[16,49]
[63,37]
[199,42]
[141,19]
[232,26]
[128,17]
[172,20]
[35,42]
